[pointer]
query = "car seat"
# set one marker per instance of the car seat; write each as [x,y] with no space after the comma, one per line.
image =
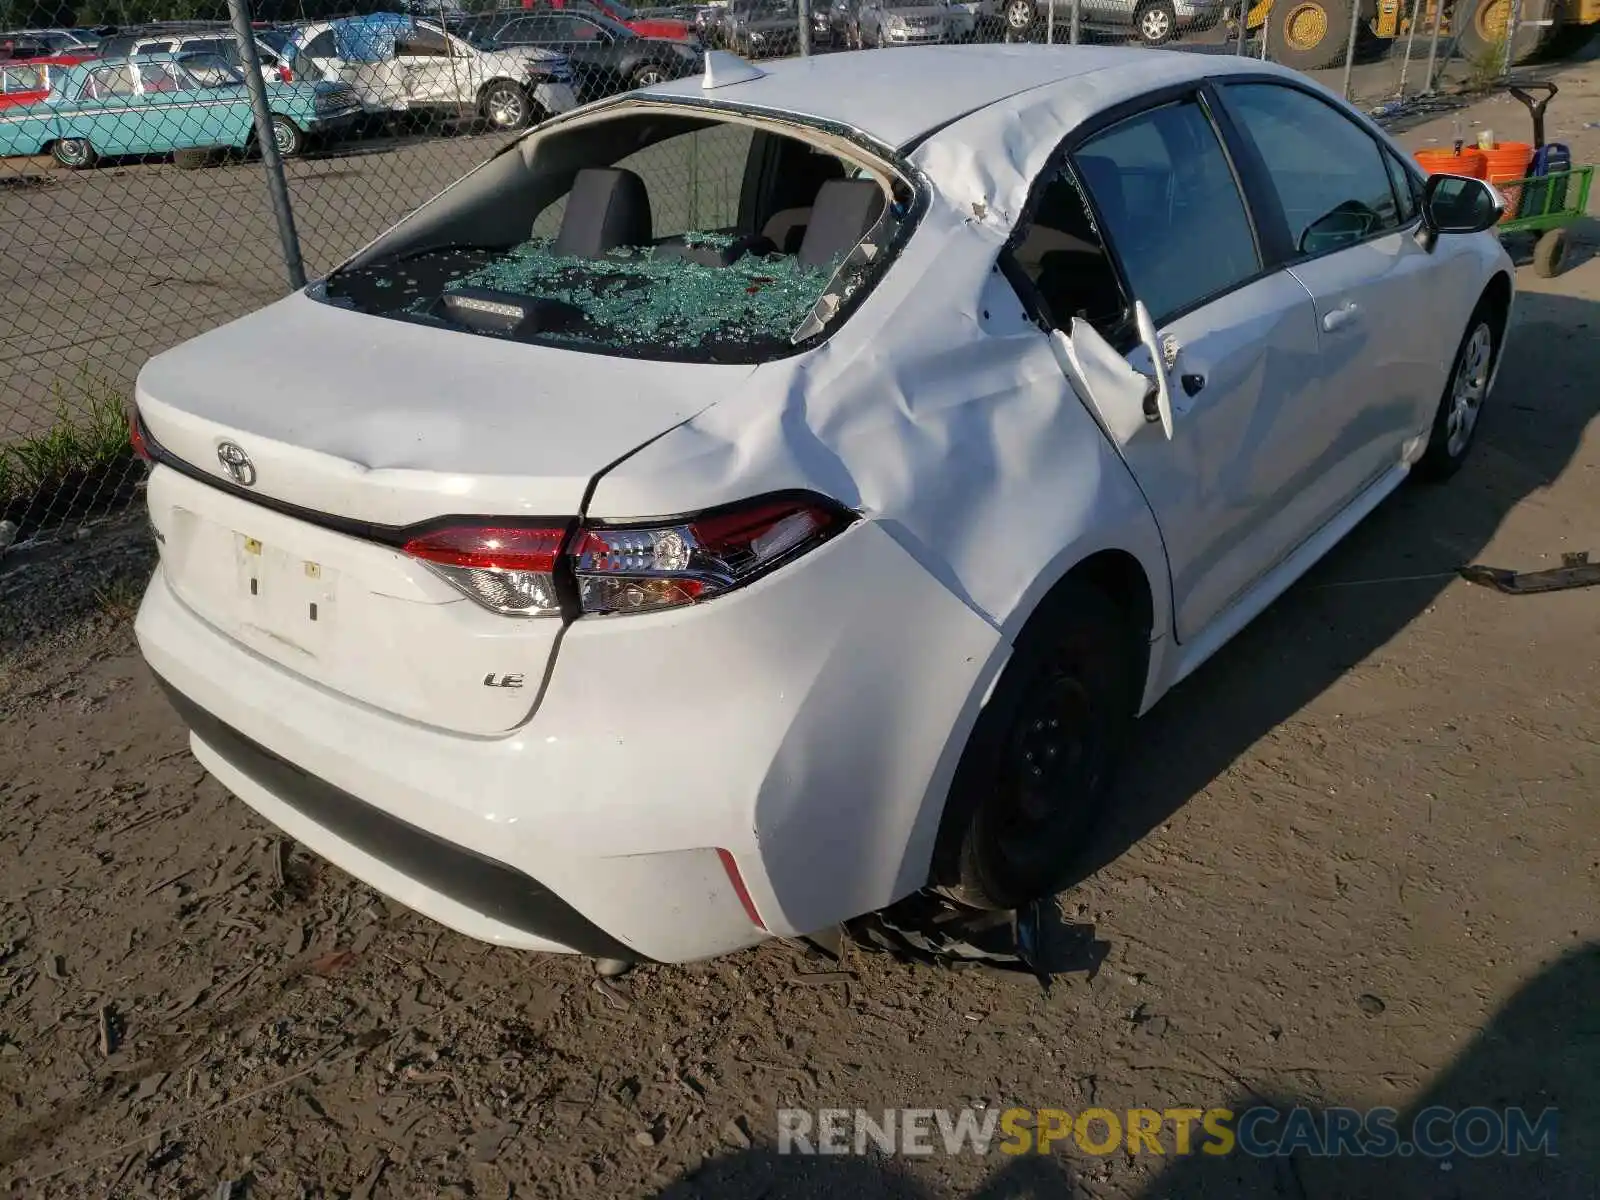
[608,207]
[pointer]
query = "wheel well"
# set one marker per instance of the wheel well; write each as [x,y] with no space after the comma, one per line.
[1119,575]
[1497,295]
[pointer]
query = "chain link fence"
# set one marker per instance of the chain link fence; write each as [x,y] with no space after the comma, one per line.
[161,176]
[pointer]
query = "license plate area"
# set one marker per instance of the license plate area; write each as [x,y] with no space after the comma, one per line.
[289,598]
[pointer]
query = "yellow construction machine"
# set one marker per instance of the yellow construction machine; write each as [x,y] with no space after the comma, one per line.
[1312,34]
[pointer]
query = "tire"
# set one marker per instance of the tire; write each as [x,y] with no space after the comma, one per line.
[286,136]
[1156,22]
[190,160]
[1020,15]
[76,154]
[1550,254]
[1465,392]
[1481,32]
[1567,40]
[506,106]
[1309,35]
[1036,773]
[649,75]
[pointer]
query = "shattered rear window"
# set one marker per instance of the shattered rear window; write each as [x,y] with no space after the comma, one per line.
[635,301]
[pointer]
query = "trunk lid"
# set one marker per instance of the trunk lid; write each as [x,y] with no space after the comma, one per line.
[362,421]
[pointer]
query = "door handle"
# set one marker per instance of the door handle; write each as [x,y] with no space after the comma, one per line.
[1342,315]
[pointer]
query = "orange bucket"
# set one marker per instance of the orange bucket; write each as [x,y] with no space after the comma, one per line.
[1509,161]
[1469,161]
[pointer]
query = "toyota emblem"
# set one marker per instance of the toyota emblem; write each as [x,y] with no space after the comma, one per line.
[237,464]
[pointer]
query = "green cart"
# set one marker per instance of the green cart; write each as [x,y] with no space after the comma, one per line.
[1545,205]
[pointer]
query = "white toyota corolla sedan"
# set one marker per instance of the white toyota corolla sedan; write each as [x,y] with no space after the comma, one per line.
[745,502]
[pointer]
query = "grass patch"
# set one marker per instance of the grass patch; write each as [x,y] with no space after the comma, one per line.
[120,598]
[79,464]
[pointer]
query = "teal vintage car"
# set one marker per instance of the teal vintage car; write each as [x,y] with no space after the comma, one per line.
[167,104]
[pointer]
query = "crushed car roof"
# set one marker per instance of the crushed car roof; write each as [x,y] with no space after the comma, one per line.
[899,97]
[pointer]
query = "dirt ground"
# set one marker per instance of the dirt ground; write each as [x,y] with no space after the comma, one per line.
[1357,862]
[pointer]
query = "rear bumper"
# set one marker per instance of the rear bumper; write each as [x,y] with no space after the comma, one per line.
[807,725]
[384,844]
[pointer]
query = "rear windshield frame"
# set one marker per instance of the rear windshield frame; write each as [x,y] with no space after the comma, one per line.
[884,160]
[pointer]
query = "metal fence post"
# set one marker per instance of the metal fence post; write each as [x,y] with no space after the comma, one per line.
[1266,31]
[1077,22]
[1411,37]
[1350,48]
[1050,24]
[1244,25]
[1513,23]
[277,186]
[805,26]
[1433,44]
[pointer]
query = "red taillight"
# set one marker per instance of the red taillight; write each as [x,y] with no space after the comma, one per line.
[509,548]
[141,448]
[634,568]
[638,569]
[509,569]
[285,75]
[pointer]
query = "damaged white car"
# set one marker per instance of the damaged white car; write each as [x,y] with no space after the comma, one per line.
[749,501]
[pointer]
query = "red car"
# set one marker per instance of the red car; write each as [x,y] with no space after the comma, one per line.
[647,27]
[28,81]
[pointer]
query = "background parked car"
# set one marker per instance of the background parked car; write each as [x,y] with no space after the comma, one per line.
[606,57]
[219,39]
[58,41]
[15,46]
[645,24]
[1155,21]
[168,104]
[399,64]
[762,28]
[911,22]
[29,81]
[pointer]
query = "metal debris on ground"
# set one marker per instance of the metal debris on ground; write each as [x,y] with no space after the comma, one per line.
[1575,571]
[931,929]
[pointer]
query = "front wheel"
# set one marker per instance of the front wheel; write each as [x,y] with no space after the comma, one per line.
[1158,23]
[286,137]
[1036,773]
[75,154]
[1456,421]
[506,106]
[1020,15]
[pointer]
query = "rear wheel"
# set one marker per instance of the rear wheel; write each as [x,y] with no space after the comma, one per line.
[73,153]
[1550,254]
[507,105]
[1480,29]
[1309,35]
[1455,423]
[649,75]
[1157,22]
[1036,773]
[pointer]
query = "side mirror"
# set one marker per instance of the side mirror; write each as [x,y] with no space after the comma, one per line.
[1460,204]
[1158,365]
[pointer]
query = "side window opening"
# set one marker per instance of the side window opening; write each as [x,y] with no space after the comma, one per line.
[1169,212]
[1064,257]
